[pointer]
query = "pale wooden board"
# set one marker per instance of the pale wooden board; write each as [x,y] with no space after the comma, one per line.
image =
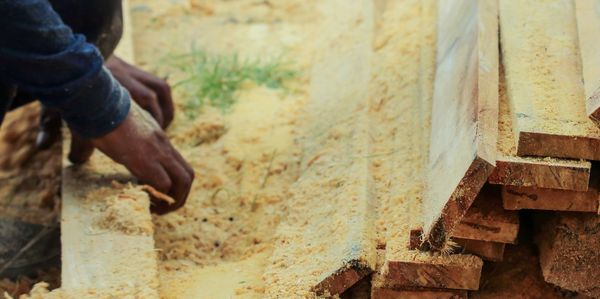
[588,28]
[568,250]
[530,198]
[531,171]
[462,153]
[109,261]
[326,243]
[544,80]
[486,220]
[488,251]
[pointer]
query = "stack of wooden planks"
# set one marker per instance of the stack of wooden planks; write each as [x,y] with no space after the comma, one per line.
[425,144]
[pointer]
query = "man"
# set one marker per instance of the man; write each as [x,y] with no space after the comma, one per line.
[42,57]
[55,51]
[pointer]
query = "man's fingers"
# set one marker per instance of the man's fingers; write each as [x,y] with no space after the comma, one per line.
[163,93]
[49,128]
[81,149]
[156,176]
[182,181]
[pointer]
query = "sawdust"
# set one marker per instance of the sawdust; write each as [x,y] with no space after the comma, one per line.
[124,211]
[543,68]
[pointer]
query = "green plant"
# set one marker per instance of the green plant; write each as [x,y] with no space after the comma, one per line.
[214,79]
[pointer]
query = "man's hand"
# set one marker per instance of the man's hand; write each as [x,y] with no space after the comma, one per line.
[143,148]
[150,92]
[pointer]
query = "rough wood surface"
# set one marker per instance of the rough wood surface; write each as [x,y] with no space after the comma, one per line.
[541,173]
[588,28]
[462,152]
[326,243]
[488,251]
[544,80]
[447,272]
[107,242]
[531,171]
[486,220]
[529,198]
[518,276]
[569,255]
[379,292]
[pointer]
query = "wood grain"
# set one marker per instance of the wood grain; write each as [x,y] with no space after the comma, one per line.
[486,220]
[568,250]
[488,251]
[588,28]
[464,129]
[542,61]
[530,198]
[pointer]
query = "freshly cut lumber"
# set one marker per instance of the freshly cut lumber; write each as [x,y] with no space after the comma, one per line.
[588,28]
[399,117]
[383,293]
[488,251]
[107,233]
[486,220]
[528,198]
[379,291]
[569,255]
[544,80]
[327,243]
[532,171]
[464,128]
[456,271]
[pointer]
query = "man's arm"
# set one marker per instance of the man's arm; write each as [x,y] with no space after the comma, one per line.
[42,56]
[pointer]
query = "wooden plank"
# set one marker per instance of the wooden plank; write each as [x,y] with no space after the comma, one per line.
[379,291]
[462,153]
[107,233]
[568,247]
[416,269]
[531,171]
[488,251]
[326,248]
[486,220]
[588,28]
[528,198]
[542,173]
[544,80]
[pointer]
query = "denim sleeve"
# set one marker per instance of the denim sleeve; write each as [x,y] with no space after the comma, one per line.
[42,56]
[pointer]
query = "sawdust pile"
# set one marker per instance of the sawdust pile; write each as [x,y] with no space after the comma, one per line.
[121,212]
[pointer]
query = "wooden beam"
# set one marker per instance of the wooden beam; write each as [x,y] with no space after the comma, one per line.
[107,232]
[486,220]
[588,28]
[544,80]
[531,171]
[327,242]
[417,269]
[541,173]
[462,152]
[379,291]
[488,251]
[568,247]
[528,198]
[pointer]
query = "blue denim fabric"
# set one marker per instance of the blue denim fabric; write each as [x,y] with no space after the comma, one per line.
[42,56]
